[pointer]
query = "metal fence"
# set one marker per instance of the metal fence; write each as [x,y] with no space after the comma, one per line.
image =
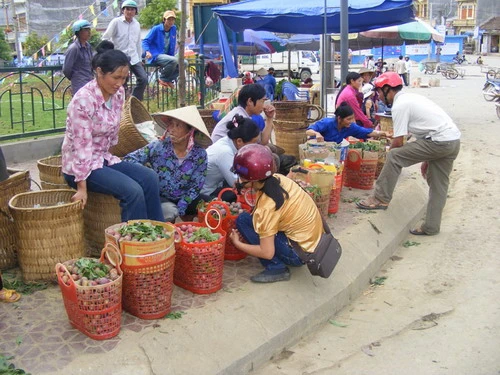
[33,100]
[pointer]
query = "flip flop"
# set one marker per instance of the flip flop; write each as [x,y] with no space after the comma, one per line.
[7,294]
[366,205]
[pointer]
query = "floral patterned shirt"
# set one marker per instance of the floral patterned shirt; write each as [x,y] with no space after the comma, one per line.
[178,183]
[91,129]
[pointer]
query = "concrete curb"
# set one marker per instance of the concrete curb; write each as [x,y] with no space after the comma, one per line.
[244,329]
[25,151]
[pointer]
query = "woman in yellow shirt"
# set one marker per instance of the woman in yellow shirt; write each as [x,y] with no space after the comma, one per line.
[283,212]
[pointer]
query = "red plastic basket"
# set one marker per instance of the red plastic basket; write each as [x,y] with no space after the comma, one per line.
[333,207]
[199,267]
[359,173]
[228,224]
[95,311]
[148,272]
[147,291]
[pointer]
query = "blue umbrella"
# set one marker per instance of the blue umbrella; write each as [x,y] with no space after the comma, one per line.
[307,17]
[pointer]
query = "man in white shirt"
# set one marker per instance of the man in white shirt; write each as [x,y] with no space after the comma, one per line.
[437,145]
[125,33]
[408,68]
[400,68]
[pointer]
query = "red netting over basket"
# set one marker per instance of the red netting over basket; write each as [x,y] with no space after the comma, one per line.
[227,225]
[359,172]
[199,266]
[333,206]
[147,291]
[148,269]
[94,310]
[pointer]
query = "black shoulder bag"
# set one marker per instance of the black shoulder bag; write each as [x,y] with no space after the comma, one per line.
[326,255]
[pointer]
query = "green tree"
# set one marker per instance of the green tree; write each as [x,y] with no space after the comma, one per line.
[152,14]
[67,38]
[33,43]
[5,51]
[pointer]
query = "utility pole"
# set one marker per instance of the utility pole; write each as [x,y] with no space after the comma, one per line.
[19,51]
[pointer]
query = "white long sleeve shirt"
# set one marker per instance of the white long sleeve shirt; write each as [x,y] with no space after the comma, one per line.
[220,157]
[126,36]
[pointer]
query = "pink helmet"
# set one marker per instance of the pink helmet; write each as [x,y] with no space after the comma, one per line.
[254,162]
[391,79]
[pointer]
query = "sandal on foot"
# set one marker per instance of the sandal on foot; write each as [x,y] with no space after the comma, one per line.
[419,232]
[9,295]
[372,203]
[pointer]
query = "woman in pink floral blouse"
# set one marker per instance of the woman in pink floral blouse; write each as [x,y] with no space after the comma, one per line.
[91,129]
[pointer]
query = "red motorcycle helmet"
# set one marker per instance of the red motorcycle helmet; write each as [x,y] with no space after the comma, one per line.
[253,162]
[391,79]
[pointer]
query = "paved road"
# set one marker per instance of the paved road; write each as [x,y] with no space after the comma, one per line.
[438,310]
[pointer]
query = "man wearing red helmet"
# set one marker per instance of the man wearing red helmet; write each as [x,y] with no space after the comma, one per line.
[283,211]
[437,145]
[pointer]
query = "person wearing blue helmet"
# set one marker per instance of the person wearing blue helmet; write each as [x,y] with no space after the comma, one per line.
[77,65]
[125,33]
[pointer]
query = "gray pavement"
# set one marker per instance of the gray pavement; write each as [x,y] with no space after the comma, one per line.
[233,331]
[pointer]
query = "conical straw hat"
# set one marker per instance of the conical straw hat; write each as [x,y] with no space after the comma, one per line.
[188,115]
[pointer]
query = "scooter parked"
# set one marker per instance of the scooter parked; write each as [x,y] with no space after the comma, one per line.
[491,89]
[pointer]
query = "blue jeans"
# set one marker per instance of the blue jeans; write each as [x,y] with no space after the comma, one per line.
[169,67]
[283,251]
[134,185]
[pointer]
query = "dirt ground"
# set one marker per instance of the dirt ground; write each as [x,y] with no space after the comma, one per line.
[436,310]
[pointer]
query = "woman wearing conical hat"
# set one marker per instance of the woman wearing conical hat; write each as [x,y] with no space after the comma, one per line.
[180,160]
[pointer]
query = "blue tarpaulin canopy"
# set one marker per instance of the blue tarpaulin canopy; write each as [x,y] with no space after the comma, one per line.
[307,16]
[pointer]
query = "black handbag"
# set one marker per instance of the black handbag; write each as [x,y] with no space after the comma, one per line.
[325,257]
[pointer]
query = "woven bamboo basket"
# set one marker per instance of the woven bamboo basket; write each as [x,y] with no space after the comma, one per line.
[298,111]
[290,125]
[210,122]
[129,138]
[386,124]
[322,202]
[290,140]
[18,182]
[51,176]
[101,212]
[49,230]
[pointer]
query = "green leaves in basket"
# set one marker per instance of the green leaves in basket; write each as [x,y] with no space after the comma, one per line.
[143,231]
[92,269]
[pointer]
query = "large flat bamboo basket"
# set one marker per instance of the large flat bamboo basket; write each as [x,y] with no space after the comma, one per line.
[49,230]
[129,138]
[50,171]
[18,182]
[210,122]
[298,111]
[101,212]
[290,140]
[290,125]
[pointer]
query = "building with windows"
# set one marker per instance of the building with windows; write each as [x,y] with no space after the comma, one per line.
[465,22]
[13,20]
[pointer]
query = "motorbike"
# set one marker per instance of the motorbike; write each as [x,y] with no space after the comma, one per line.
[460,59]
[491,89]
